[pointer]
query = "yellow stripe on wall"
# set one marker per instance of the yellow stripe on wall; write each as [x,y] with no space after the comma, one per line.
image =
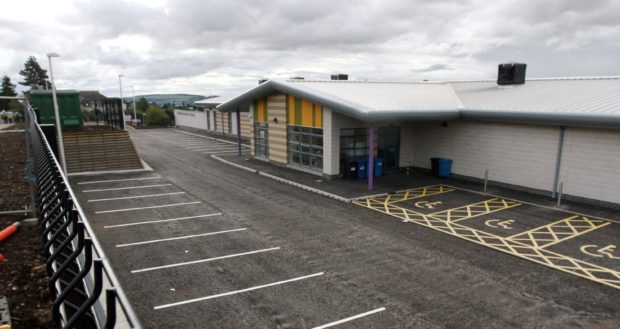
[306,113]
[318,116]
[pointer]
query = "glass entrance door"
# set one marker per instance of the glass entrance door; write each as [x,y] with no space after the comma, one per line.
[261,139]
[388,146]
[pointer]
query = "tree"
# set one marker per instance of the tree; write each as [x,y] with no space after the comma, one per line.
[142,105]
[156,116]
[8,89]
[34,76]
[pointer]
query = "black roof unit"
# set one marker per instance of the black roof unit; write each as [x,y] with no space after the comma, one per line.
[511,74]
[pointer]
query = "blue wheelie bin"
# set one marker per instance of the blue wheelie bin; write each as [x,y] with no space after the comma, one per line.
[444,167]
[378,164]
[362,169]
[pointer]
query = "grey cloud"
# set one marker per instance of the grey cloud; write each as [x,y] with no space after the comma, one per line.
[373,39]
[431,68]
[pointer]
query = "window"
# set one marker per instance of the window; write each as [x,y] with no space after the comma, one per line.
[261,139]
[305,147]
[214,120]
[229,123]
[353,143]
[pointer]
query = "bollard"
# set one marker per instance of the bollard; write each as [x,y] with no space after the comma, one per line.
[560,195]
[486,179]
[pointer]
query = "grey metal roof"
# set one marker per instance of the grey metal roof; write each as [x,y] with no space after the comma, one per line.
[591,101]
[214,101]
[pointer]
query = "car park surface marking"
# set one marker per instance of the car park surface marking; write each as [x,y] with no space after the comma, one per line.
[415,193]
[125,188]
[475,209]
[149,207]
[238,291]
[178,238]
[559,231]
[117,180]
[532,250]
[204,260]
[162,220]
[136,197]
[351,318]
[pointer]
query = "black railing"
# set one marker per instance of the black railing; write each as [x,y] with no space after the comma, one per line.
[112,112]
[75,261]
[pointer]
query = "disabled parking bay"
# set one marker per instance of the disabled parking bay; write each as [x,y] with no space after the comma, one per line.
[578,244]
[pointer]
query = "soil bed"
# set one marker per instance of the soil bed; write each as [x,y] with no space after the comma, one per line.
[22,273]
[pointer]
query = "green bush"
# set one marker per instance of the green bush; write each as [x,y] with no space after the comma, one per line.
[156,116]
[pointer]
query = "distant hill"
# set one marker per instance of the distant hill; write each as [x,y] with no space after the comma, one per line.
[176,99]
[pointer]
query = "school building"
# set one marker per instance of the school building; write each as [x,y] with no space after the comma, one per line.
[214,122]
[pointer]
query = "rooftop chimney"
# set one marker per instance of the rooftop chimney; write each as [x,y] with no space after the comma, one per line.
[511,74]
[340,76]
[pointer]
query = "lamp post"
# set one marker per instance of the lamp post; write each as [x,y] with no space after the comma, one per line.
[133,95]
[120,86]
[61,146]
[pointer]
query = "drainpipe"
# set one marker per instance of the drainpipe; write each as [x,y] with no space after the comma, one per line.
[238,132]
[558,163]
[371,156]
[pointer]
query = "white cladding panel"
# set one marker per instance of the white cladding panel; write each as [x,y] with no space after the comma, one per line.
[192,119]
[515,154]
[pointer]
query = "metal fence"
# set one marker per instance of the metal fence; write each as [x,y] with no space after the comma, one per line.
[76,264]
[112,111]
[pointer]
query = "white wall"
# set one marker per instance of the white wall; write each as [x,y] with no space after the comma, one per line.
[591,164]
[330,167]
[334,122]
[515,154]
[192,119]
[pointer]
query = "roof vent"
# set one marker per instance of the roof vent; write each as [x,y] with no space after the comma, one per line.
[511,74]
[340,76]
[296,78]
[261,81]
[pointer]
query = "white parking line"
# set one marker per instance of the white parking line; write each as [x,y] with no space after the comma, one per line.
[161,220]
[211,138]
[350,318]
[203,260]
[236,291]
[214,150]
[117,180]
[151,207]
[125,188]
[178,238]
[229,147]
[220,152]
[136,197]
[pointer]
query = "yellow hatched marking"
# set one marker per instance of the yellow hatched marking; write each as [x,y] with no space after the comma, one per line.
[567,228]
[474,210]
[526,251]
[415,193]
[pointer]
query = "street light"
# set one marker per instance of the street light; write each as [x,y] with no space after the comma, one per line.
[133,94]
[61,146]
[120,86]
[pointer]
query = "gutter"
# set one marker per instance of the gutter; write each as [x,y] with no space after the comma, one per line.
[593,120]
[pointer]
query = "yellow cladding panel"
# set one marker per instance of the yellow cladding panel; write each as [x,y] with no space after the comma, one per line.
[318,116]
[306,113]
[260,111]
[291,110]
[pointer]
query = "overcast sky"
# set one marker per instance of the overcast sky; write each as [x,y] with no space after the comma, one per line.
[216,47]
